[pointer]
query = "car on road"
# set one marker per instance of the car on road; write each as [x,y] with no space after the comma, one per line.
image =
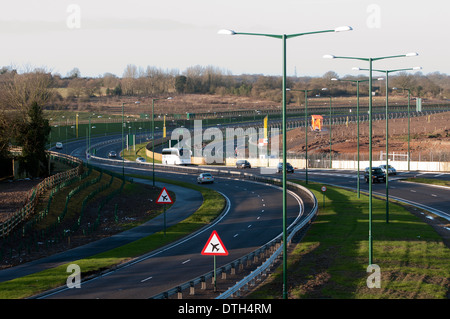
[391,170]
[205,178]
[377,175]
[243,164]
[140,160]
[289,168]
[112,154]
[59,145]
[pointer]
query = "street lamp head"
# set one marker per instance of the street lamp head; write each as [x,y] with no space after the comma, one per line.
[334,79]
[226,32]
[380,79]
[411,54]
[329,56]
[417,68]
[356,69]
[343,28]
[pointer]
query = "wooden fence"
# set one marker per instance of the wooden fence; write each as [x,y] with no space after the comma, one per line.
[33,198]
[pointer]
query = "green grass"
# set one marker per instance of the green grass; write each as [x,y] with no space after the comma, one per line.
[213,204]
[331,261]
[433,181]
[131,154]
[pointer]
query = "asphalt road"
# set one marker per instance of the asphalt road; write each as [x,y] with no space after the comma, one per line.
[253,219]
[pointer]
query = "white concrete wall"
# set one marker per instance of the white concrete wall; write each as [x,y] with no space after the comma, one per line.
[398,165]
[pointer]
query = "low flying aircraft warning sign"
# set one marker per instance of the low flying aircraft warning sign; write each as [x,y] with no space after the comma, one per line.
[164,197]
[214,246]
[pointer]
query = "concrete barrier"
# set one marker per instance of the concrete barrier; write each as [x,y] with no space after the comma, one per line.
[398,165]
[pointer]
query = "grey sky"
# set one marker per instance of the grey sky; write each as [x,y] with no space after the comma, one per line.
[104,36]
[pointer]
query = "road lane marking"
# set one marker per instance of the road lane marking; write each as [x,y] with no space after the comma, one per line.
[143,280]
[186,261]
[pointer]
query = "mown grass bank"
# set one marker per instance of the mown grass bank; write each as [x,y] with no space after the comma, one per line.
[213,205]
[331,260]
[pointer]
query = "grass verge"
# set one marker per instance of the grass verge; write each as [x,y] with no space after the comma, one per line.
[432,181]
[331,260]
[213,205]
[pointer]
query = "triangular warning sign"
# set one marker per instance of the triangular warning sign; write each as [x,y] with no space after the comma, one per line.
[214,246]
[164,197]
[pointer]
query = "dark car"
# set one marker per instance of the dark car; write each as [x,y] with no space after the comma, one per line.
[112,154]
[377,175]
[243,164]
[289,168]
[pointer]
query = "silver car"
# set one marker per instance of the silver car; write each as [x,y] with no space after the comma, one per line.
[391,170]
[205,178]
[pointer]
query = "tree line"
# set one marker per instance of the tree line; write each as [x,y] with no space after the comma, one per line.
[24,96]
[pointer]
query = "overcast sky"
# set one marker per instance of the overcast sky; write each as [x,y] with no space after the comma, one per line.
[99,36]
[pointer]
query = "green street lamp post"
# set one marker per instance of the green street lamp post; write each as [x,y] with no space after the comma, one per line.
[326,89]
[357,126]
[284,37]
[409,123]
[153,140]
[370,60]
[122,155]
[306,131]
[331,126]
[387,128]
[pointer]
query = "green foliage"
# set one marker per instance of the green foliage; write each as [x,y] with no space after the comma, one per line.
[33,135]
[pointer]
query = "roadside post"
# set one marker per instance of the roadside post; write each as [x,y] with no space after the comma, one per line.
[164,198]
[324,189]
[215,247]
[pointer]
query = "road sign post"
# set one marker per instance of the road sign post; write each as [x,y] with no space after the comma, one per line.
[164,198]
[324,189]
[215,247]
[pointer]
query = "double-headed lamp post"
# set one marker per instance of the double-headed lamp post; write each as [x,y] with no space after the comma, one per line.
[153,140]
[284,37]
[409,122]
[357,124]
[306,130]
[386,72]
[370,60]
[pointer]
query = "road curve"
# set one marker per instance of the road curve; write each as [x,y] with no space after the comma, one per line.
[254,218]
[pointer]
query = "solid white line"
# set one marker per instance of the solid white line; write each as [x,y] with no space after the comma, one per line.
[143,280]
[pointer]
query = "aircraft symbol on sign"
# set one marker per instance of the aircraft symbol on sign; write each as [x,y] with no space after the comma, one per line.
[214,246]
[164,197]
